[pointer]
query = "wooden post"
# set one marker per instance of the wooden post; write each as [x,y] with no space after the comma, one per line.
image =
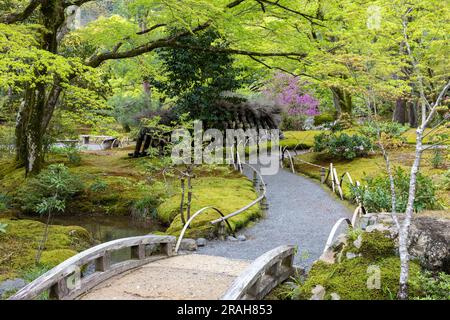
[167,248]
[103,262]
[59,289]
[255,179]
[221,231]
[263,204]
[138,252]
[322,175]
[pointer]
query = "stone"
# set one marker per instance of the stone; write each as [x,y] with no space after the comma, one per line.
[379,227]
[318,292]
[430,243]
[357,243]
[335,296]
[328,256]
[188,244]
[241,237]
[350,255]
[201,242]
[231,238]
[11,285]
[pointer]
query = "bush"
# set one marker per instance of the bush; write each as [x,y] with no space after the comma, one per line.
[51,186]
[323,118]
[390,133]
[342,146]
[292,122]
[376,196]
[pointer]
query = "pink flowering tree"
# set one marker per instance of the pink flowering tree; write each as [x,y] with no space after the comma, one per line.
[286,91]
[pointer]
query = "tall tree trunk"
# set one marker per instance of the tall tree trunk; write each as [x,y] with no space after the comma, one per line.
[412,114]
[342,100]
[400,111]
[40,101]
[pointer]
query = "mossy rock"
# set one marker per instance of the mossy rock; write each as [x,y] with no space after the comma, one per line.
[376,245]
[52,258]
[18,246]
[323,118]
[349,279]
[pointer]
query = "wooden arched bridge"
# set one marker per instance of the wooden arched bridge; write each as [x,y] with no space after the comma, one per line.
[154,271]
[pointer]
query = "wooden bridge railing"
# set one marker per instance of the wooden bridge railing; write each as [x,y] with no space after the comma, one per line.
[263,274]
[66,281]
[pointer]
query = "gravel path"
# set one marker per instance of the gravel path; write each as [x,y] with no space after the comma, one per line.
[301,212]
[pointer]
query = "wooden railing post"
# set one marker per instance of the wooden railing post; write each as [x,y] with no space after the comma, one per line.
[167,248]
[255,179]
[103,262]
[263,204]
[322,175]
[138,252]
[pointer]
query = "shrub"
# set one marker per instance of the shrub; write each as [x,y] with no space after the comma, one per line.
[342,146]
[323,118]
[390,133]
[376,196]
[52,186]
[292,122]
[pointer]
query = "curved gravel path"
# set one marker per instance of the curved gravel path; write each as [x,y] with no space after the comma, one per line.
[301,212]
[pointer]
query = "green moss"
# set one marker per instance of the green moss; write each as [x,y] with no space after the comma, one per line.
[349,279]
[376,244]
[19,245]
[51,258]
[226,194]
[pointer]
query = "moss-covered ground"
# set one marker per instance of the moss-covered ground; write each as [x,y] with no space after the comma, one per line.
[373,165]
[18,246]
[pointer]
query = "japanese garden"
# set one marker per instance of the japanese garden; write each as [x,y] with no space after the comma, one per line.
[224,150]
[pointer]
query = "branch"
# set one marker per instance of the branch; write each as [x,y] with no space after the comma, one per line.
[304,15]
[156,26]
[20,16]
[234,4]
[291,55]
[96,60]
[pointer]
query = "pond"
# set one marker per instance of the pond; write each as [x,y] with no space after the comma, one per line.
[107,228]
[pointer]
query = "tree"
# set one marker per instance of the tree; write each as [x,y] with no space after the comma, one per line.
[43,72]
[198,79]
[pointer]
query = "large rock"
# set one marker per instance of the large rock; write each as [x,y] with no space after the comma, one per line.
[430,242]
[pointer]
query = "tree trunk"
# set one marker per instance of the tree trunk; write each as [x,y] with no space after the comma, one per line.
[404,230]
[342,100]
[40,101]
[412,114]
[400,111]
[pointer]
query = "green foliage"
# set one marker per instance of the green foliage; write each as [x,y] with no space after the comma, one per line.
[388,134]
[292,122]
[344,122]
[434,287]
[376,196]
[446,180]
[342,146]
[98,185]
[323,118]
[198,79]
[49,190]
